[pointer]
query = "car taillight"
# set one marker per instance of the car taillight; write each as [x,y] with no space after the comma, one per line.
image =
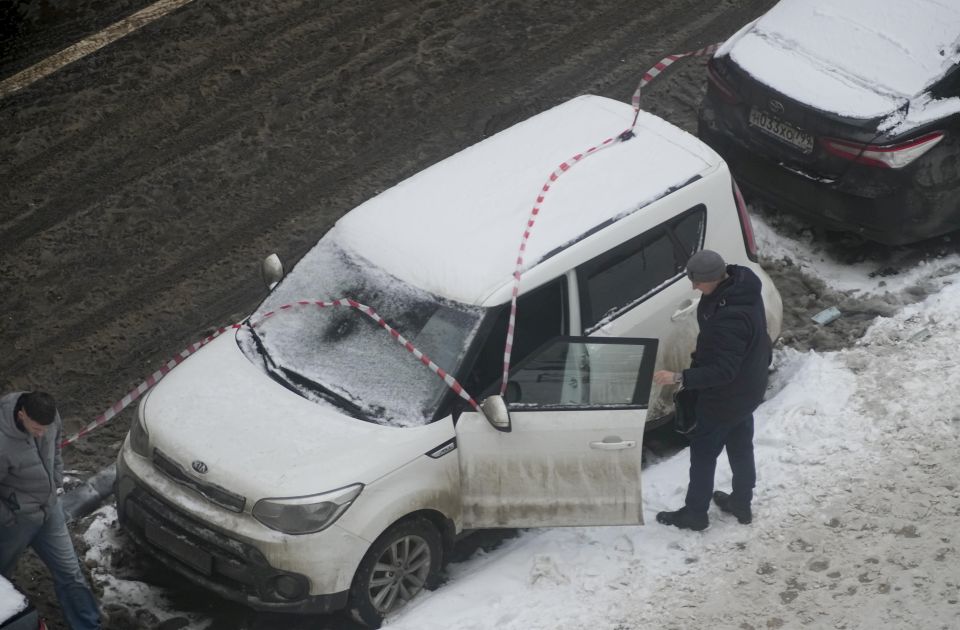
[724,89]
[746,228]
[883,156]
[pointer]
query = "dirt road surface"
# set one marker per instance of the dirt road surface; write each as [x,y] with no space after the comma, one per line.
[143,184]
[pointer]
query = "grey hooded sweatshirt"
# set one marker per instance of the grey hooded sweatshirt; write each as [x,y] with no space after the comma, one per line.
[30,469]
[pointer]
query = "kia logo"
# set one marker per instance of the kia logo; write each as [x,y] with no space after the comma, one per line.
[776,106]
[200,467]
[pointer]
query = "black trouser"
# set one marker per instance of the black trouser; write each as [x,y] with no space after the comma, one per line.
[705,446]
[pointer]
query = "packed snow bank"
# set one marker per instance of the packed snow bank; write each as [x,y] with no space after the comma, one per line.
[854,522]
[897,273]
[855,513]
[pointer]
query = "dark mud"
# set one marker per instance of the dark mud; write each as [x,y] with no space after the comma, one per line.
[144,183]
[805,295]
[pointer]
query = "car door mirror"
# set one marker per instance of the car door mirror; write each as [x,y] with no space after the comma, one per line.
[495,410]
[271,270]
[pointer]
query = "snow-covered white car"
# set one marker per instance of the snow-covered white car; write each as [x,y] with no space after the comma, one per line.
[309,461]
[847,113]
[16,613]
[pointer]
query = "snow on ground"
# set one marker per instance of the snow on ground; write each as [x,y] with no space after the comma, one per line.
[11,600]
[861,278]
[855,511]
[146,601]
[854,522]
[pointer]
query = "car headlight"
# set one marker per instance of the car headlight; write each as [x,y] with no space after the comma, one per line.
[139,438]
[306,515]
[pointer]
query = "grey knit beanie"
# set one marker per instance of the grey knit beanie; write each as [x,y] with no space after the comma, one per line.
[706,266]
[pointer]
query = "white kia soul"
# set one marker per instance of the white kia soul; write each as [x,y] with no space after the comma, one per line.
[308,462]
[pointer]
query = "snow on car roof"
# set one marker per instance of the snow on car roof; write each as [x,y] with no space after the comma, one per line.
[861,58]
[454,229]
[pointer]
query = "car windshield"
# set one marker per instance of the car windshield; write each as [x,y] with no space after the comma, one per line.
[341,356]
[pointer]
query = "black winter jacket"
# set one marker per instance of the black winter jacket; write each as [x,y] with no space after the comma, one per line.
[729,367]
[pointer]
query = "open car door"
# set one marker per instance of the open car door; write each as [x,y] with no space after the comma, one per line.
[566,447]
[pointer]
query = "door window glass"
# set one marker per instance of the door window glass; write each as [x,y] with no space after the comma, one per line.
[541,316]
[689,230]
[578,372]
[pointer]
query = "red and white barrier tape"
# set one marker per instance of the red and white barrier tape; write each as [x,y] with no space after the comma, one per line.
[451,382]
[447,378]
[142,388]
[659,67]
[154,378]
[649,76]
[554,176]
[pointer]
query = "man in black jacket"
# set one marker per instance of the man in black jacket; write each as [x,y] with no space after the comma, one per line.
[728,374]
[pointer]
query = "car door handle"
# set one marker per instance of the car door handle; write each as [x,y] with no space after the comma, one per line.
[608,445]
[685,307]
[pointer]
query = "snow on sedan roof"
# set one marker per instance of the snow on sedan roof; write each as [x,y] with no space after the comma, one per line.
[862,58]
[454,229]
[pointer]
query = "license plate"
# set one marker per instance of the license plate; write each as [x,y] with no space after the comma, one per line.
[781,130]
[178,547]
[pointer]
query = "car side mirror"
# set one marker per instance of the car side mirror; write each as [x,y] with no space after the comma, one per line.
[495,410]
[271,270]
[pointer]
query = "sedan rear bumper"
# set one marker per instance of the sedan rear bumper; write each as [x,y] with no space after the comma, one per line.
[886,206]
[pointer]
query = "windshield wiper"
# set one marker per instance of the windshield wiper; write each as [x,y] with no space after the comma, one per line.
[326,393]
[270,366]
[267,359]
[294,381]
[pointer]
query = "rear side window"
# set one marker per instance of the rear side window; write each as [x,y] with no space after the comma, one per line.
[625,276]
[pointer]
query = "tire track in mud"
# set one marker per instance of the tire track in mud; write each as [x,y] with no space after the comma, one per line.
[31,31]
[177,169]
[106,310]
[230,83]
[160,285]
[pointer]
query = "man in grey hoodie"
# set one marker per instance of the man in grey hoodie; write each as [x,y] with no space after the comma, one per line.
[31,480]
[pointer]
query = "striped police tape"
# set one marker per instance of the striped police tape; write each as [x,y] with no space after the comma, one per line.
[154,378]
[648,76]
[447,378]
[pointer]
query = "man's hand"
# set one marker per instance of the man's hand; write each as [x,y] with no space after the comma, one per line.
[666,377]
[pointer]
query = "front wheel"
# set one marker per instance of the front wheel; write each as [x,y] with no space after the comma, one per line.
[403,561]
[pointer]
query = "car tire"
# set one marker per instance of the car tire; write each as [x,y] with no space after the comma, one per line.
[403,561]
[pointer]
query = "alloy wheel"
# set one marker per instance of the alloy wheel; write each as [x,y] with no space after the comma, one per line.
[399,573]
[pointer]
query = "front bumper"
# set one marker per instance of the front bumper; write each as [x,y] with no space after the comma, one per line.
[888,206]
[231,565]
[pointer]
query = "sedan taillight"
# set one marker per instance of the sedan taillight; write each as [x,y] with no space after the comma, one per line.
[883,156]
[724,90]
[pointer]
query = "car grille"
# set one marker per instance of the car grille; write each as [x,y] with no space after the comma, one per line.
[224,498]
[235,569]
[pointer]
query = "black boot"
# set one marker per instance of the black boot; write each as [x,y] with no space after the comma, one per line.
[743,514]
[684,519]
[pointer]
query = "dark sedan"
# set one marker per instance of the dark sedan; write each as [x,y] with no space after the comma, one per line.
[846,113]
